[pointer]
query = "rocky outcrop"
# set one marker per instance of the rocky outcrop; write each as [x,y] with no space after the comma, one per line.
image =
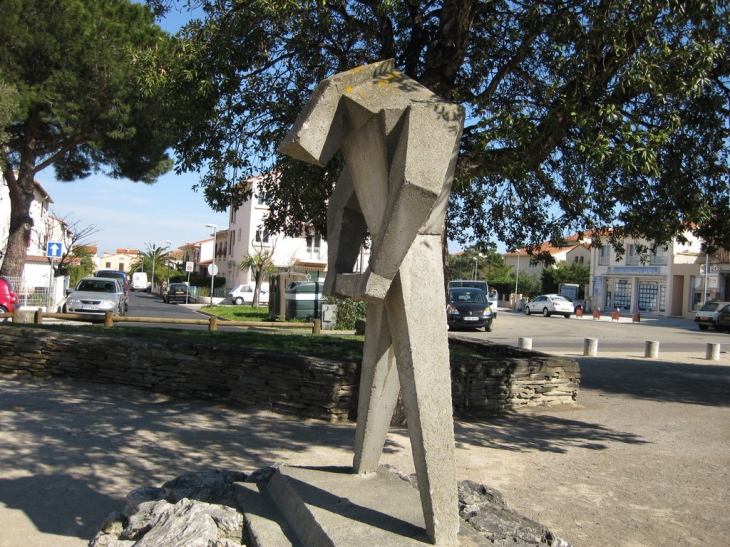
[200,510]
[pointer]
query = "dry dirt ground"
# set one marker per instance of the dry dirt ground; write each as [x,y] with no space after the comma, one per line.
[642,460]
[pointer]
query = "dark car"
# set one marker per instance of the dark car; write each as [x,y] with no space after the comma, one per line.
[723,318]
[8,298]
[117,274]
[176,292]
[468,307]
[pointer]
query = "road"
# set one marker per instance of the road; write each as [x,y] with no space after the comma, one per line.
[623,338]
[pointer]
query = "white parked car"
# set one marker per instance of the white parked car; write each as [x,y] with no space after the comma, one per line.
[548,304]
[243,294]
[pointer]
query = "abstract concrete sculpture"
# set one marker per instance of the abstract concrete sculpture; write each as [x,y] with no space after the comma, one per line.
[400,143]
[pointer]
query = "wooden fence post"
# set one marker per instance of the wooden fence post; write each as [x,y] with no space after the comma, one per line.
[108,319]
[317,326]
[38,318]
[213,323]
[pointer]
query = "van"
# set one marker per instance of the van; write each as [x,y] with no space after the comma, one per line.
[117,274]
[139,281]
[707,316]
[476,284]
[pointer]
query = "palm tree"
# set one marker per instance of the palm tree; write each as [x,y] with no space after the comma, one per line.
[260,265]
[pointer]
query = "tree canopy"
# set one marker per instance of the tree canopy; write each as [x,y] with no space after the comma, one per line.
[80,104]
[583,115]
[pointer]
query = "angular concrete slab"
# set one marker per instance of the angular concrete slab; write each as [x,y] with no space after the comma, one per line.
[264,523]
[336,508]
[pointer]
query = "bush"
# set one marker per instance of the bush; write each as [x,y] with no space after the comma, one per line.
[347,312]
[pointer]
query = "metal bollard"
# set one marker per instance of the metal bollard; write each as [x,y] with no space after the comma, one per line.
[524,343]
[652,349]
[713,352]
[590,347]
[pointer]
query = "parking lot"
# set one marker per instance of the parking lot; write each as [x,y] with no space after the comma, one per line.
[642,460]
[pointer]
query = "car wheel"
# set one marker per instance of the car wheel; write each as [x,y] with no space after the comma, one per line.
[527,311]
[545,312]
[238,301]
[4,314]
[488,328]
[702,327]
[567,315]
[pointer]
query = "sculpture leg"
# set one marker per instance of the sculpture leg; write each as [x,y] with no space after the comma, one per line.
[416,312]
[379,388]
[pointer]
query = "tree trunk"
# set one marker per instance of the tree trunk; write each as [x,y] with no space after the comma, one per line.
[21,223]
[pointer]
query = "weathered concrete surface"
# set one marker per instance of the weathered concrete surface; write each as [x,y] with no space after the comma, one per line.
[400,142]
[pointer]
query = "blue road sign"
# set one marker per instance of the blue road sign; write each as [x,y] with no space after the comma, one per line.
[54,249]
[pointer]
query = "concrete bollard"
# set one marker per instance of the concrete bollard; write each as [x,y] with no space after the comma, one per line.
[652,349]
[590,347]
[713,352]
[524,343]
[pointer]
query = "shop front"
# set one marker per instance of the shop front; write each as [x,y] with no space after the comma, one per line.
[642,288]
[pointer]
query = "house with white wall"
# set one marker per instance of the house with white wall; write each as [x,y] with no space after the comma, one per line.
[575,250]
[246,236]
[200,253]
[121,260]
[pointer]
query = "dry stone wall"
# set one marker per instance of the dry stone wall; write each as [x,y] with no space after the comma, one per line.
[505,378]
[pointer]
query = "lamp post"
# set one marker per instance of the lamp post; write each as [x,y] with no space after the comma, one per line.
[212,263]
[154,252]
[476,267]
[168,261]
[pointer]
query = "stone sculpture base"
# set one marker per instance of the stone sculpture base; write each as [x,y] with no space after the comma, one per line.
[292,506]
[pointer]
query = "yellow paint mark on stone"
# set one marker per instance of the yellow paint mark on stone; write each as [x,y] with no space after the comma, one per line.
[349,89]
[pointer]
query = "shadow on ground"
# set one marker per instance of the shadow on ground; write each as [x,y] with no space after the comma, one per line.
[656,380]
[70,451]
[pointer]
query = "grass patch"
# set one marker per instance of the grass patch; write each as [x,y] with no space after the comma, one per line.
[240,313]
[324,346]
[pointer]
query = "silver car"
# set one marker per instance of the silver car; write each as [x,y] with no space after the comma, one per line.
[548,304]
[96,296]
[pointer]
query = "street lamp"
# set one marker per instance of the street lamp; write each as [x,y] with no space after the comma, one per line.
[168,261]
[154,252]
[476,267]
[213,269]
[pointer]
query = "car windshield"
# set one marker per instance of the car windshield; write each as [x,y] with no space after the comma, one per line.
[473,296]
[710,306]
[90,285]
[178,287]
[559,299]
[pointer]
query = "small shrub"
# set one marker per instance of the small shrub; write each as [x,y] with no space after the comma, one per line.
[348,311]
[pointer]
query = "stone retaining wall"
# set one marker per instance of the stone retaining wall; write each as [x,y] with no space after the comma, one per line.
[508,378]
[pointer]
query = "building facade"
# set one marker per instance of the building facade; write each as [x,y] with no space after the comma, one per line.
[246,236]
[666,282]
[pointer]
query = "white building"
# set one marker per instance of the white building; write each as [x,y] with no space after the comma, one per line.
[574,250]
[246,236]
[120,260]
[668,282]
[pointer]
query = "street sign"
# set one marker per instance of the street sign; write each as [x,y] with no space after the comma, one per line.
[54,249]
[189,266]
[212,269]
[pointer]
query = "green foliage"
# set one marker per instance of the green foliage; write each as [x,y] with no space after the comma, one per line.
[82,107]
[489,265]
[582,115]
[348,311]
[562,272]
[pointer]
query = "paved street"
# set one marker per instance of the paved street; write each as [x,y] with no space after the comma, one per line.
[642,460]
